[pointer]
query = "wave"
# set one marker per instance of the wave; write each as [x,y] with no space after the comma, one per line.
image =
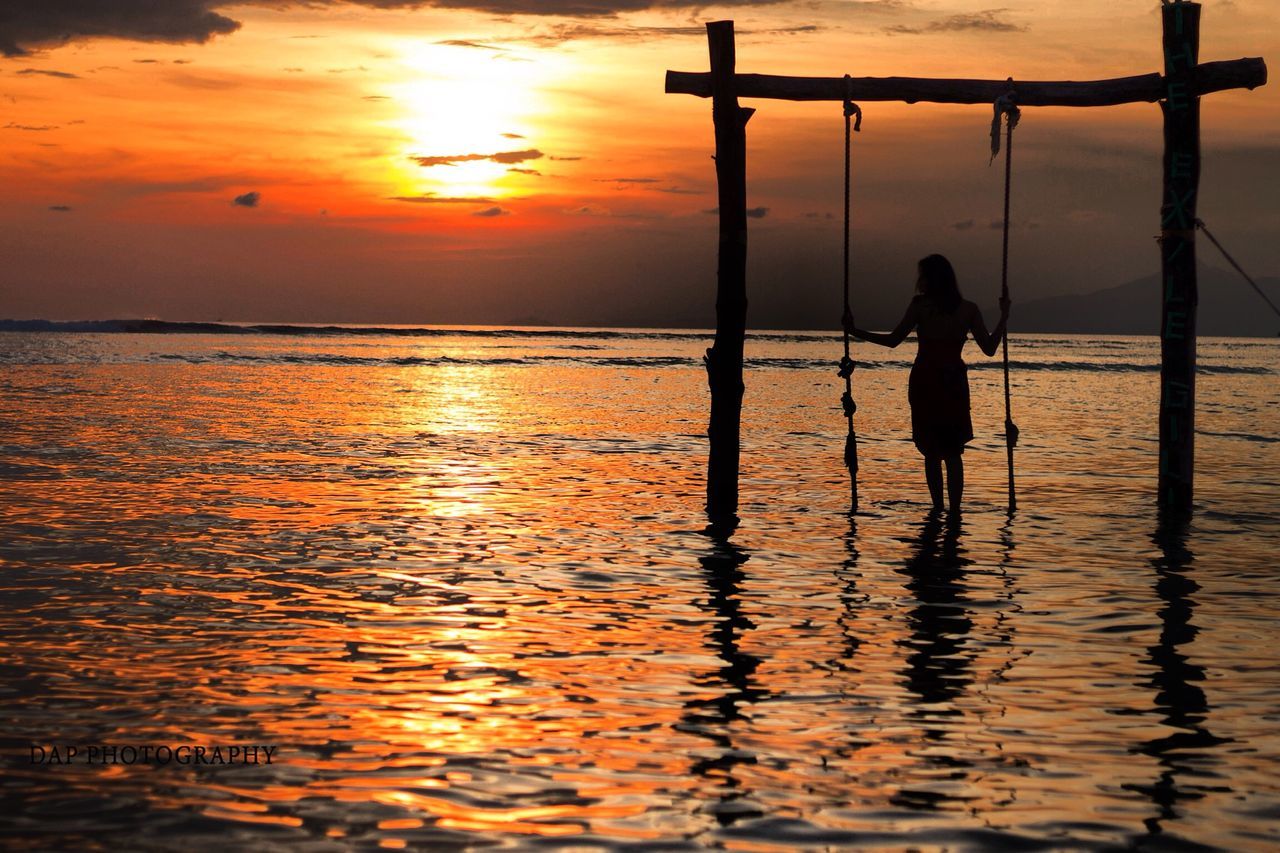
[650,361]
[294,330]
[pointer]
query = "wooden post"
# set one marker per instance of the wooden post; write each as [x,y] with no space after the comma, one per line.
[724,358]
[1181,107]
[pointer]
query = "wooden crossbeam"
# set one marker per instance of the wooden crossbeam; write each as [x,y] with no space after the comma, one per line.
[1145,88]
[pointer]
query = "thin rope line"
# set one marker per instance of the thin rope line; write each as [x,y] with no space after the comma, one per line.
[1200,224]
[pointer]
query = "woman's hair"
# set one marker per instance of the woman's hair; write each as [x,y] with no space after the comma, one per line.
[938,282]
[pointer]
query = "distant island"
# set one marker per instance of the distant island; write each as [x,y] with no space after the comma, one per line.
[1228,308]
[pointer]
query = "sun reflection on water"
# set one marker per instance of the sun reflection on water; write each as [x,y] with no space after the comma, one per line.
[474,604]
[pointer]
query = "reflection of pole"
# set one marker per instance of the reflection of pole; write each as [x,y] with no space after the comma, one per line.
[1179,699]
[711,718]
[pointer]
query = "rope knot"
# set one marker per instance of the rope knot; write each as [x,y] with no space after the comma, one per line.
[1005,105]
[851,110]
[846,368]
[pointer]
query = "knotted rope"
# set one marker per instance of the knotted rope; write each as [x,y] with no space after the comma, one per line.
[851,112]
[1005,106]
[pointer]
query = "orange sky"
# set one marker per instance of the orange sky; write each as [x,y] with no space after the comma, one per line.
[462,162]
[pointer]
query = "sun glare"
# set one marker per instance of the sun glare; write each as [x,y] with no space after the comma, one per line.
[460,106]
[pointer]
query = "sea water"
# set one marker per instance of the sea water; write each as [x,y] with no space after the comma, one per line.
[460,583]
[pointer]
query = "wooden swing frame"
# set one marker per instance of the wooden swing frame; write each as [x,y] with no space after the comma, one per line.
[1178,92]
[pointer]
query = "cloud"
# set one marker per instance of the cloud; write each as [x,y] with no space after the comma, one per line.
[627,180]
[565,159]
[752,212]
[61,208]
[520,171]
[249,199]
[492,211]
[66,75]
[579,31]
[473,44]
[505,157]
[37,127]
[28,26]
[431,198]
[965,225]
[516,136]
[988,20]
[375,98]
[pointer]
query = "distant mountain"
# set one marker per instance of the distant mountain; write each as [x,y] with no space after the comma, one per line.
[1228,307]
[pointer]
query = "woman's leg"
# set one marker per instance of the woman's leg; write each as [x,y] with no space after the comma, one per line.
[933,476]
[955,481]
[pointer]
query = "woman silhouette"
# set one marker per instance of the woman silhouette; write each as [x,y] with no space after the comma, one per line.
[938,390]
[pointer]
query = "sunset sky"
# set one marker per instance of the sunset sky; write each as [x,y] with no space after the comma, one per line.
[513,161]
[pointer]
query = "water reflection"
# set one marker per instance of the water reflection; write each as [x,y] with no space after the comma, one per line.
[1180,701]
[938,667]
[713,718]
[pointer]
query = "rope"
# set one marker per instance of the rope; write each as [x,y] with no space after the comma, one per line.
[1006,106]
[1239,269]
[851,111]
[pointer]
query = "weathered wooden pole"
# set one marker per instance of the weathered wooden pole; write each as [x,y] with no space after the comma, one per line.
[1181,107]
[724,358]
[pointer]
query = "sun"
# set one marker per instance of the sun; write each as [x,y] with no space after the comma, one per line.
[469,103]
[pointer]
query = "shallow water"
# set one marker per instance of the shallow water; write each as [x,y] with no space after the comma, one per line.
[461,583]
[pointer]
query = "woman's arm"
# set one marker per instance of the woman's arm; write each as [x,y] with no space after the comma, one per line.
[989,342]
[884,339]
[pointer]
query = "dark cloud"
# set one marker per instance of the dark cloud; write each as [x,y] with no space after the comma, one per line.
[430,198]
[516,136]
[478,45]
[965,225]
[988,20]
[12,126]
[66,75]
[505,157]
[375,98]
[580,31]
[249,199]
[492,211]
[27,26]
[565,159]
[60,208]
[752,212]
[627,180]
[520,171]
[679,191]
[146,61]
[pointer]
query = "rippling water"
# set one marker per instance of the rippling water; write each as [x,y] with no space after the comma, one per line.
[460,582]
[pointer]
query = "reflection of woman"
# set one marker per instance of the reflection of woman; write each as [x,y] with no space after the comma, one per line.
[939,386]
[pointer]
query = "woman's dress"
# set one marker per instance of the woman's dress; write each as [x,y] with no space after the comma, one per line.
[938,392]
